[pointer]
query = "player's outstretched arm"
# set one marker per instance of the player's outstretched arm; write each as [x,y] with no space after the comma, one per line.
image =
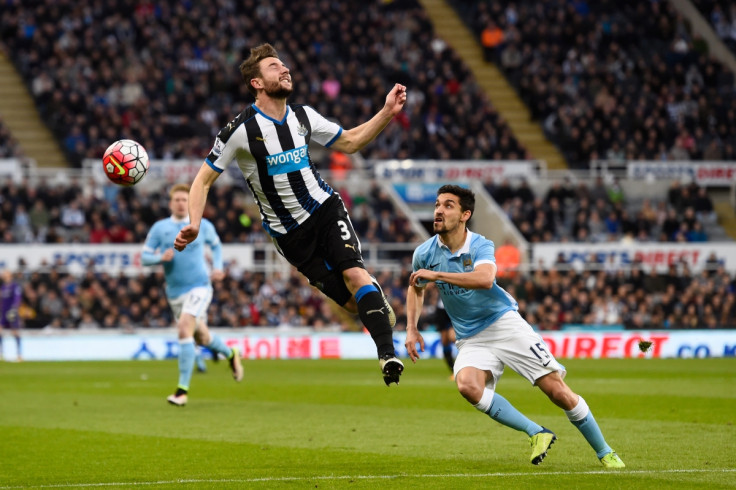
[197,199]
[355,139]
[481,277]
[414,303]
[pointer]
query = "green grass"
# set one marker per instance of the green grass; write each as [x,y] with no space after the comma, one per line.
[333,424]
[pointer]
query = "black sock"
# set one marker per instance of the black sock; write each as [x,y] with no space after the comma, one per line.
[447,351]
[180,392]
[374,316]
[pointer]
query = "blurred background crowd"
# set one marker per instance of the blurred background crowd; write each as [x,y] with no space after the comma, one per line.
[559,294]
[614,80]
[104,69]
[606,80]
[605,296]
[586,212]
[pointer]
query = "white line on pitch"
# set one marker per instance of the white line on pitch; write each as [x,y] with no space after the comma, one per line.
[376,477]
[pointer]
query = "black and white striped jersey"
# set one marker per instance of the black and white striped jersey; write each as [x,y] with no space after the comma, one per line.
[274,158]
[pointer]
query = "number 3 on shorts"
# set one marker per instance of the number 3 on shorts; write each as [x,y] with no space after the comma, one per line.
[345,235]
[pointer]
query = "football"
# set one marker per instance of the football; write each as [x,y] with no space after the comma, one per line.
[125,162]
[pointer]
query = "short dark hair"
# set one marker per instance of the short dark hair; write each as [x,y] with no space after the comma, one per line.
[250,68]
[467,197]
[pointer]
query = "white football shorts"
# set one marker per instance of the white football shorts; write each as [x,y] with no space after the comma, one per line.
[509,341]
[195,302]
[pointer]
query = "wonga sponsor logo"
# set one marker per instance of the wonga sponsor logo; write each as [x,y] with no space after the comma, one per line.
[288,161]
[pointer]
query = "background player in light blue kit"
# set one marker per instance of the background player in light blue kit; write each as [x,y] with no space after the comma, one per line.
[490,332]
[188,287]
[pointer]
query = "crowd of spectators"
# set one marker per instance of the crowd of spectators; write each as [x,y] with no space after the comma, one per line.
[57,300]
[43,213]
[166,73]
[550,297]
[610,79]
[9,146]
[636,297]
[722,17]
[600,212]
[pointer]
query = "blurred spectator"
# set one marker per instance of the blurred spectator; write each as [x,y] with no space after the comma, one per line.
[9,146]
[722,16]
[508,259]
[491,38]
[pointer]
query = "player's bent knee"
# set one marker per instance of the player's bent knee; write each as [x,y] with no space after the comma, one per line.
[469,388]
[356,277]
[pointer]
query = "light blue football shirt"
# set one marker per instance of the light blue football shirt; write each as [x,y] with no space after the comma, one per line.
[188,269]
[471,310]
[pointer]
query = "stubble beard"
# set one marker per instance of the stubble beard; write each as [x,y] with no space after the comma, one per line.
[441,228]
[276,91]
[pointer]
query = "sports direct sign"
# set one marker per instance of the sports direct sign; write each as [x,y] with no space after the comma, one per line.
[714,174]
[602,345]
[432,171]
[659,255]
[111,258]
[255,344]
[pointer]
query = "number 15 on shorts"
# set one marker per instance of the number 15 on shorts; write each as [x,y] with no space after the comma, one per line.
[541,353]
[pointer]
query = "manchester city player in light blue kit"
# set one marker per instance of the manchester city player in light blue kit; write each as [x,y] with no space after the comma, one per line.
[490,332]
[188,287]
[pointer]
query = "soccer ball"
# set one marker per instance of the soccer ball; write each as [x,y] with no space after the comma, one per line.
[125,162]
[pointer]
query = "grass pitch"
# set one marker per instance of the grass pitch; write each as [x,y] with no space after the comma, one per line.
[333,424]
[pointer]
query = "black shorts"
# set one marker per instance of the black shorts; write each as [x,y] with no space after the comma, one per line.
[323,247]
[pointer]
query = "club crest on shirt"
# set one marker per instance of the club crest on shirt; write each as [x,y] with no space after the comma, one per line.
[467,262]
[301,130]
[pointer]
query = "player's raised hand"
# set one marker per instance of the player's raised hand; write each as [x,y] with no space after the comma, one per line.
[422,276]
[412,338]
[186,236]
[396,99]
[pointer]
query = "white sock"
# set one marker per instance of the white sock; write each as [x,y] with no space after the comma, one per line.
[580,411]
[485,401]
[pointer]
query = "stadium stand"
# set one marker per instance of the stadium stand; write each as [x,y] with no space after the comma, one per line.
[146,71]
[43,213]
[601,212]
[110,69]
[59,300]
[613,80]
[549,298]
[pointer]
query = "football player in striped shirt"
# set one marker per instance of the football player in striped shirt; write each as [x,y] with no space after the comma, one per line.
[305,217]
